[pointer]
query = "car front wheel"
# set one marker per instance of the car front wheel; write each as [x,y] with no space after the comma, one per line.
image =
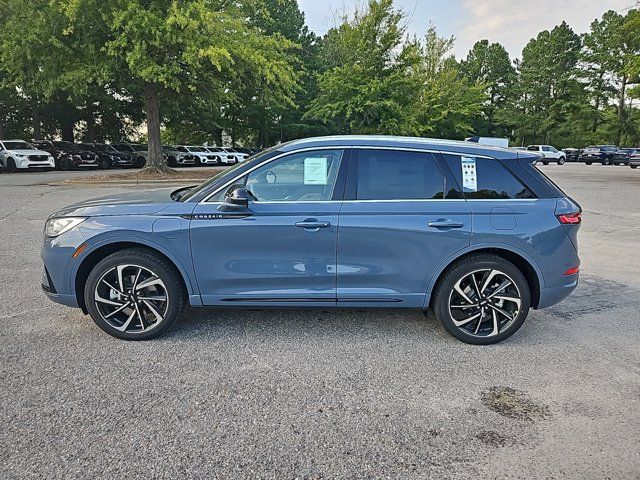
[482,299]
[134,294]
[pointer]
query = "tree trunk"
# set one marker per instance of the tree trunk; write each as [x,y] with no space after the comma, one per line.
[155,159]
[35,118]
[90,135]
[67,129]
[621,112]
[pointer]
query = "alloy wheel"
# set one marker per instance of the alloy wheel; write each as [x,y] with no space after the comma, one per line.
[131,298]
[485,303]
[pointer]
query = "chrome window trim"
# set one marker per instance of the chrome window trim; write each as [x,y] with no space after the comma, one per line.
[342,147]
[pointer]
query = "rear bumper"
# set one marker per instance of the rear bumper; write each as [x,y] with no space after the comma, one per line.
[552,295]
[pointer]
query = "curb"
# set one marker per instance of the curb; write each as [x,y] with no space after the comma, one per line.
[178,181]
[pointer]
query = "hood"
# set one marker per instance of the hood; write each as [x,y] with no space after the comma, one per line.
[29,151]
[144,202]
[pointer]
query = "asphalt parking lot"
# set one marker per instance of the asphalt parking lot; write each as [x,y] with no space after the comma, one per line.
[317,394]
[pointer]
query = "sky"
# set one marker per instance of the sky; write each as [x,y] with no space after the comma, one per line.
[510,22]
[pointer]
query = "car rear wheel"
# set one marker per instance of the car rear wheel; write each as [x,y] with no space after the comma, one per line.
[545,163]
[171,161]
[482,299]
[134,294]
[633,166]
[104,163]
[561,161]
[139,162]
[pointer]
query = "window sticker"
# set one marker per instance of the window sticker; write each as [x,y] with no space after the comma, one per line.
[315,171]
[469,177]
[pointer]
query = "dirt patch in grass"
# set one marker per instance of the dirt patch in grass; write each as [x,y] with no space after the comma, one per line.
[511,403]
[146,176]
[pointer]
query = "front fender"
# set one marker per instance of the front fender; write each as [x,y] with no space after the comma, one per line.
[164,244]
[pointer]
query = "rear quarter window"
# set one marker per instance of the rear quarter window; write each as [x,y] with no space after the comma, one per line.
[492,180]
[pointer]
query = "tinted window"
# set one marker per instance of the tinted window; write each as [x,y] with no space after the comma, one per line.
[492,179]
[396,175]
[306,176]
[533,148]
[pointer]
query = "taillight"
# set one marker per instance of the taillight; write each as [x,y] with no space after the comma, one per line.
[570,218]
[572,271]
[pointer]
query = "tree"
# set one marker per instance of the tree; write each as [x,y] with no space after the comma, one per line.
[367,85]
[547,87]
[169,47]
[489,65]
[448,103]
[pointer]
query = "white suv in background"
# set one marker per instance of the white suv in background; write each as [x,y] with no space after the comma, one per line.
[18,154]
[549,154]
[228,154]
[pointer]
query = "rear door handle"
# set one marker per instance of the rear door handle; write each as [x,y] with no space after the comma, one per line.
[312,224]
[445,224]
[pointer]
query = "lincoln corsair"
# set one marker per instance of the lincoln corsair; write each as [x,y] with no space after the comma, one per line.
[475,234]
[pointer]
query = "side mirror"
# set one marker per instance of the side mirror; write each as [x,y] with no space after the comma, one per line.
[237,197]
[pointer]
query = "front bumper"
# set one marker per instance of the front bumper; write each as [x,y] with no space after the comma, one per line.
[26,163]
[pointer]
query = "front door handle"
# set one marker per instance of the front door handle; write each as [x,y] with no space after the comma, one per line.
[442,223]
[312,224]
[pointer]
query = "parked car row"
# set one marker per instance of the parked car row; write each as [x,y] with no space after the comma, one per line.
[49,154]
[603,154]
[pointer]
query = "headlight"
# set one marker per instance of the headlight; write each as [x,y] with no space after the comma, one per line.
[20,155]
[57,226]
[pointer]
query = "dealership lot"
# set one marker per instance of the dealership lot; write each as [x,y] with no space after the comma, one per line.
[313,394]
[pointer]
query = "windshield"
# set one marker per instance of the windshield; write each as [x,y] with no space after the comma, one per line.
[139,148]
[17,146]
[123,147]
[64,145]
[229,171]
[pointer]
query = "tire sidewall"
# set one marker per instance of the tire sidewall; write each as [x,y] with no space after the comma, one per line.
[443,291]
[146,260]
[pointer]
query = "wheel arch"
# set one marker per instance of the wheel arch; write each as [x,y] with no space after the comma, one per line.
[96,255]
[528,268]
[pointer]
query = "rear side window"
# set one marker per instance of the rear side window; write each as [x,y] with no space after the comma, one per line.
[486,179]
[398,175]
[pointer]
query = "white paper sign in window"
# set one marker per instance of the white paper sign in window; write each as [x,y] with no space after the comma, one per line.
[469,174]
[315,171]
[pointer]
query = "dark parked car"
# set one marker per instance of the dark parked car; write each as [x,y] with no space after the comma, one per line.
[604,154]
[573,154]
[344,221]
[108,156]
[634,157]
[69,155]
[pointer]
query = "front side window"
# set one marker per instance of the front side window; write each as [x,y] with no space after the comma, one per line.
[398,175]
[485,178]
[305,176]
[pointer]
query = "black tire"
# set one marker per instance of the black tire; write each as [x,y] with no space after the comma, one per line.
[11,165]
[104,163]
[545,163]
[633,166]
[175,295]
[561,161]
[587,163]
[172,162]
[139,162]
[460,271]
[64,164]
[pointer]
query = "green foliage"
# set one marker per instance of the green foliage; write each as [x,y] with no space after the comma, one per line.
[250,71]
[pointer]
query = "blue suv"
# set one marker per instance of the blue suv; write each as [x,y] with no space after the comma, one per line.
[475,234]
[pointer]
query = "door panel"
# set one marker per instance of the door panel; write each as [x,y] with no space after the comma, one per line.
[388,249]
[387,252]
[281,250]
[263,257]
